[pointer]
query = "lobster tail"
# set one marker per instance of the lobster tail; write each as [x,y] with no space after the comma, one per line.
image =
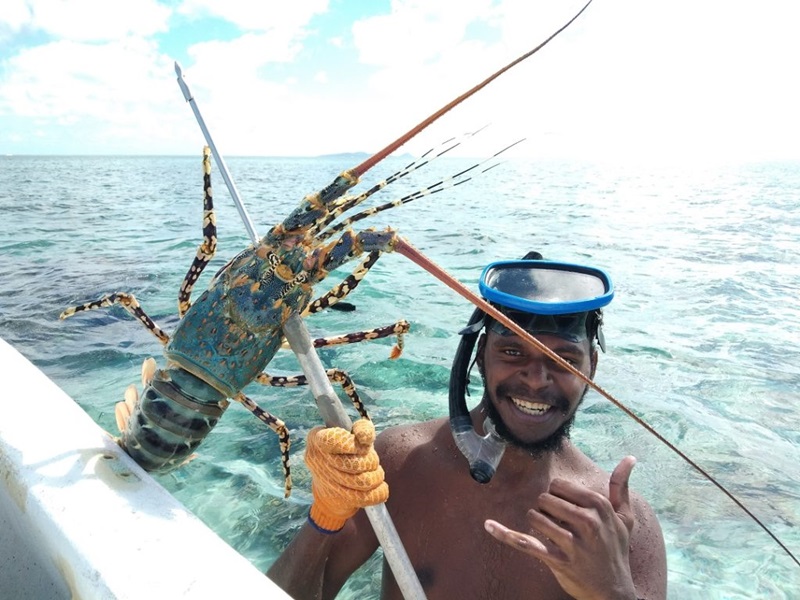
[170,420]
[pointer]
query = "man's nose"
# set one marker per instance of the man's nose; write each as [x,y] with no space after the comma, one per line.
[536,372]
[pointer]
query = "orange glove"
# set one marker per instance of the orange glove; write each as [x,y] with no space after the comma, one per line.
[346,474]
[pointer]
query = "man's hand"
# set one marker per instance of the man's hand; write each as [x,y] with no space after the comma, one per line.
[346,473]
[583,537]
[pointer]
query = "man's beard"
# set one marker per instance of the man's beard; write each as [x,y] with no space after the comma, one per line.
[553,443]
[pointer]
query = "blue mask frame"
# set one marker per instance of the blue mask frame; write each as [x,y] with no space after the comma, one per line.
[543,287]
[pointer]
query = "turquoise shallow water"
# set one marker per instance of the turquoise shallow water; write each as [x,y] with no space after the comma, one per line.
[702,334]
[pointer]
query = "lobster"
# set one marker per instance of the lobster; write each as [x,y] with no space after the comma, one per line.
[227,337]
[222,344]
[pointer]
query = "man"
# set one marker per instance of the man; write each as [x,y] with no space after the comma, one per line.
[547,524]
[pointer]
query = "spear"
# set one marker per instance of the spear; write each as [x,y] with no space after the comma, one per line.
[248,222]
[328,403]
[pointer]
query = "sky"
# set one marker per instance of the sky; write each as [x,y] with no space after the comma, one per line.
[629,80]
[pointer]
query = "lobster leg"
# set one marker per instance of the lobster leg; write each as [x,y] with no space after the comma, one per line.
[129,303]
[279,427]
[208,248]
[399,329]
[334,376]
[342,290]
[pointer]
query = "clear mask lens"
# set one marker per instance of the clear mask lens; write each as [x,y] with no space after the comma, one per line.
[570,327]
[545,287]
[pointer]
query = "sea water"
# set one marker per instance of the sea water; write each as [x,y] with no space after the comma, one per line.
[702,335]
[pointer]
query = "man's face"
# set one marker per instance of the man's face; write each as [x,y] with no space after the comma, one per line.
[531,399]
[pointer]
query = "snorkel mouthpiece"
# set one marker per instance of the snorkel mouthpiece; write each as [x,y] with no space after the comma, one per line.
[483,453]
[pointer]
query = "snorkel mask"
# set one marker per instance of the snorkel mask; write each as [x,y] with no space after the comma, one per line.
[543,297]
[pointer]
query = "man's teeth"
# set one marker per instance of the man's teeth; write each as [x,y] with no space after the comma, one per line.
[531,408]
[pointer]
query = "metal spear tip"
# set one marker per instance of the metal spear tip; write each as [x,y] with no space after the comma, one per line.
[187,95]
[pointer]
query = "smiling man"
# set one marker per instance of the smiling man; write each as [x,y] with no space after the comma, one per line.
[527,514]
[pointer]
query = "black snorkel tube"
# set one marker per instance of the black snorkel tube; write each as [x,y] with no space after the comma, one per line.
[482,452]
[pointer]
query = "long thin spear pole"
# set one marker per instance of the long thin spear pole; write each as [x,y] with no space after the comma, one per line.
[248,222]
[328,403]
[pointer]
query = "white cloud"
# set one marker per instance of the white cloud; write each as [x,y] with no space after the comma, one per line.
[95,20]
[68,77]
[629,78]
[229,72]
[15,15]
[674,80]
[113,96]
[96,70]
[263,15]
[428,54]
[247,52]
[415,31]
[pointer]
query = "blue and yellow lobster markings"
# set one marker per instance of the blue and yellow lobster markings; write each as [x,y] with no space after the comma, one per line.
[225,340]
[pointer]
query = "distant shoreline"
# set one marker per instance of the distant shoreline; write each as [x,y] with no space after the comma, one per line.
[336,156]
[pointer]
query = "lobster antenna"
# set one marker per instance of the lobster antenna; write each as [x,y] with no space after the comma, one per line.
[441,185]
[379,156]
[343,204]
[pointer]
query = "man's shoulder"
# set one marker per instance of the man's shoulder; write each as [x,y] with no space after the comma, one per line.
[411,435]
[402,442]
[643,512]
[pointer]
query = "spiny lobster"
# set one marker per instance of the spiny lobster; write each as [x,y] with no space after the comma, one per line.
[229,335]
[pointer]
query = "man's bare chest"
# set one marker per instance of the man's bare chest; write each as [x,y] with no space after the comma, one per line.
[455,557]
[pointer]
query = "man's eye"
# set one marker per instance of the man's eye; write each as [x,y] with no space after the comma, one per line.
[511,352]
[570,361]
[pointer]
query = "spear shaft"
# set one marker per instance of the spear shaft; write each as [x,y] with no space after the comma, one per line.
[328,402]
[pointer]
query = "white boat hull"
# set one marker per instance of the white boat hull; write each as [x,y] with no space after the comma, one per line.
[80,519]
